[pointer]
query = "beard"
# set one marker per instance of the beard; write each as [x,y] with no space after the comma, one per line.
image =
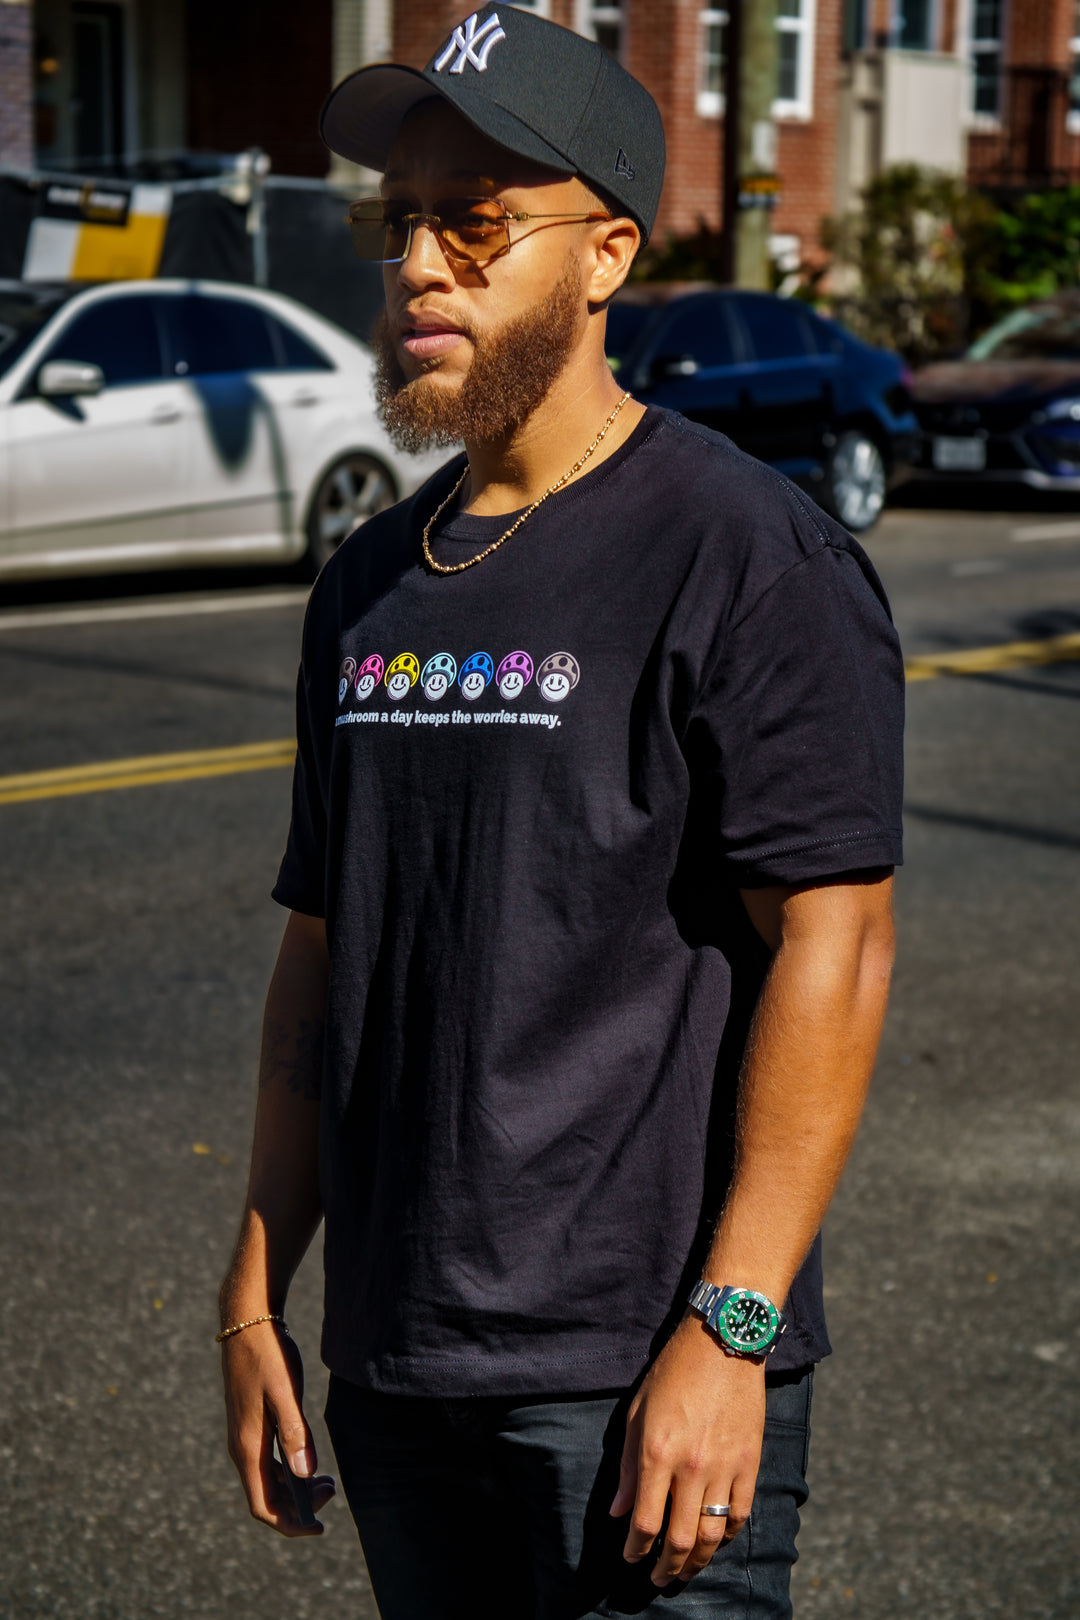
[512,370]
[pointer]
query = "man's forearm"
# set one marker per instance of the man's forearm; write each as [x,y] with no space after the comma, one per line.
[282,1210]
[807,1069]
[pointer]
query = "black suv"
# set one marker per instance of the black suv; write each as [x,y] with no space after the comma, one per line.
[785,384]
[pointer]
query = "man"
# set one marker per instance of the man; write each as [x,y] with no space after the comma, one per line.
[595,810]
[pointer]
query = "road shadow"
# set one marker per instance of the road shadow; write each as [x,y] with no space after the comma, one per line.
[89,588]
[1049,837]
[921,495]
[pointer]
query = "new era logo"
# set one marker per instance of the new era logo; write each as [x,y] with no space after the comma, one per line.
[623,165]
[472,44]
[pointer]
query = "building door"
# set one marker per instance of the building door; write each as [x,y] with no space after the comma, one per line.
[98,87]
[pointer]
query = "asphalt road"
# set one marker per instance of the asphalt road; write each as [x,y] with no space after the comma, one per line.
[136,937]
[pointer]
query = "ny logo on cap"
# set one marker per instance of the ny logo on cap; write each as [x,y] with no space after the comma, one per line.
[473,44]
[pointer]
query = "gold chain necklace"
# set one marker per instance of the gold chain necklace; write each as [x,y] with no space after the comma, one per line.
[458,568]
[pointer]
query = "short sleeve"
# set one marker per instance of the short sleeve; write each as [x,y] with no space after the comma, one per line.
[795,744]
[301,881]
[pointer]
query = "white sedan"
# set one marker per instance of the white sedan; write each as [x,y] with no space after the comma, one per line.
[161,424]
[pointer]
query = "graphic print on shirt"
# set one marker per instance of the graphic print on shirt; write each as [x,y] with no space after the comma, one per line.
[437,676]
[345,678]
[557,675]
[513,675]
[403,673]
[368,677]
[476,673]
[553,678]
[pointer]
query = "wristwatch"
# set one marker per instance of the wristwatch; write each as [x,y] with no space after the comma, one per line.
[746,1323]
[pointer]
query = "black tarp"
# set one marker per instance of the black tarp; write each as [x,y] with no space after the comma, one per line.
[310,256]
[207,236]
[18,208]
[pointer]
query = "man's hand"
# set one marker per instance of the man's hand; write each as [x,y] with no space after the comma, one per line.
[693,1433]
[264,1387]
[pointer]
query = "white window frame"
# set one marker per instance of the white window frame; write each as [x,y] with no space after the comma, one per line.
[592,12]
[1072,117]
[539,8]
[802,106]
[710,103]
[968,48]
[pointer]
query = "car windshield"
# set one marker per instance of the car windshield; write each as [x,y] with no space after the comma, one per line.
[1045,332]
[625,324]
[23,312]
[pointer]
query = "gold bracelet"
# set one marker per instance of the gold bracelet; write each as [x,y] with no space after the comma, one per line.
[227,1333]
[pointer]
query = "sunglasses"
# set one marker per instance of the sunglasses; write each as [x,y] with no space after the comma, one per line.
[475,229]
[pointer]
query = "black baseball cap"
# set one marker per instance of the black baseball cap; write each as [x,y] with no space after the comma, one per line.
[529,85]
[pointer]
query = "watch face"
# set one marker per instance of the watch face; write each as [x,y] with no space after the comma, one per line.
[748,1321]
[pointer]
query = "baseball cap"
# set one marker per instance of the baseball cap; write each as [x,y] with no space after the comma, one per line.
[532,87]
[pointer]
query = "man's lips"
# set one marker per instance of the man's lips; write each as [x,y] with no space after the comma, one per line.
[426,334]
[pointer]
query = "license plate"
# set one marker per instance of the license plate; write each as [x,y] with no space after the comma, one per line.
[959,455]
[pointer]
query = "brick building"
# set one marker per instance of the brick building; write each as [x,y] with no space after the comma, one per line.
[16,84]
[676,49]
[160,86]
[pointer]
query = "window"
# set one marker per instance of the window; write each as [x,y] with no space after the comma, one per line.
[216,335]
[778,329]
[795,60]
[1074,82]
[602,20]
[713,62]
[295,352]
[120,335]
[794,25]
[855,25]
[913,25]
[542,8]
[987,17]
[703,331]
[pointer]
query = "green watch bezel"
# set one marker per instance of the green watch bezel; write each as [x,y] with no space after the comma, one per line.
[730,1336]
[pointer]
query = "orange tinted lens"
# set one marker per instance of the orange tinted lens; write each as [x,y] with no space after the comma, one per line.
[474,229]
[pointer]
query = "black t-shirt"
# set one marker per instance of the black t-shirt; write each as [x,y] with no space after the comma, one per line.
[526,797]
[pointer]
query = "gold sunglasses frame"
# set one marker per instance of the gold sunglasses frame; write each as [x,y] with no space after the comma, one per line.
[434,223]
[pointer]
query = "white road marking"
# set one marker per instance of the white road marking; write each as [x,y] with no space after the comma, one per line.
[119,612]
[1046,531]
[982,565]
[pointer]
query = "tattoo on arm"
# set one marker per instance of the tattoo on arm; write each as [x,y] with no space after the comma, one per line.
[293,1054]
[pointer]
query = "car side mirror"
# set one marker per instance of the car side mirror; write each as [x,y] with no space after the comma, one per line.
[69,379]
[667,366]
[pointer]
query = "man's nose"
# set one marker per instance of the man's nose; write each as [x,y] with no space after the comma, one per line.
[425,265]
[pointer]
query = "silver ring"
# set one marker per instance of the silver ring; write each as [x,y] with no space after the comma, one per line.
[715,1510]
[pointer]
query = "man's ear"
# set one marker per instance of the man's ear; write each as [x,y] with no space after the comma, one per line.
[615,243]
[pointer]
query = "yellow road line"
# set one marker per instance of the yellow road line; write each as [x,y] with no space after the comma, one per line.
[1009,655]
[145,770]
[148,769]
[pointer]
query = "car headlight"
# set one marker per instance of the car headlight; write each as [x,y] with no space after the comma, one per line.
[1055,434]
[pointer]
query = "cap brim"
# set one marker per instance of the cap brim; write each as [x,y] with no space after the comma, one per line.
[362,116]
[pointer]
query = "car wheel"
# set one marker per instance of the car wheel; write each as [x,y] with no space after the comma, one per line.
[350,492]
[854,488]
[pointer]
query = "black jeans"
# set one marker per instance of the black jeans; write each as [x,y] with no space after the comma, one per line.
[491,1509]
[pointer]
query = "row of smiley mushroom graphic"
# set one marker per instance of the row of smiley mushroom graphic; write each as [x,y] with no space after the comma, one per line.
[557,675]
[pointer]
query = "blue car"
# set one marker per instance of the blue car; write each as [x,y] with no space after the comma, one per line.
[1008,411]
[788,386]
